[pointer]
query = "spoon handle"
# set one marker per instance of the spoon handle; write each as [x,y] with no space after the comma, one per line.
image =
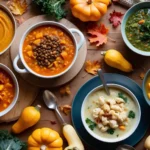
[60,117]
[100,74]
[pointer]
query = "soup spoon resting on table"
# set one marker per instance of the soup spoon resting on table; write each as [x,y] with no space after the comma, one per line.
[69,132]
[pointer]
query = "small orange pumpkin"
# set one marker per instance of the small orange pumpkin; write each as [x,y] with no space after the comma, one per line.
[89,10]
[45,139]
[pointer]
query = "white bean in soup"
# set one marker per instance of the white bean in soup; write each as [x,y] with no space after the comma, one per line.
[110,116]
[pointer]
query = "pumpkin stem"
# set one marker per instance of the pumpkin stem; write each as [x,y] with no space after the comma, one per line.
[103,53]
[43,147]
[38,107]
[89,2]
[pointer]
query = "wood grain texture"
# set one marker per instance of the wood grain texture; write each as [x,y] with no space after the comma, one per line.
[49,83]
[140,63]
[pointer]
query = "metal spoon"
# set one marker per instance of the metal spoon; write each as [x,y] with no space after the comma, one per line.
[51,102]
[125,147]
[100,74]
[69,132]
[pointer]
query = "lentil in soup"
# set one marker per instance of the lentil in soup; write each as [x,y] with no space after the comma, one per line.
[138,29]
[48,50]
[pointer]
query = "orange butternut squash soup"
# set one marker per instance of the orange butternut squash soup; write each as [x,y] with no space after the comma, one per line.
[48,50]
[6,30]
[7,90]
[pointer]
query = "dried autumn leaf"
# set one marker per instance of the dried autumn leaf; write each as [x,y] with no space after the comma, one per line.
[17,7]
[92,67]
[142,75]
[115,18]
[65,90]
[65,109]
[98,34]
[52,122]
[20,20]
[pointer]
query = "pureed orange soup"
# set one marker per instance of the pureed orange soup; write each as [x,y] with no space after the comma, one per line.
[48,50]
[6,30]
[7,90]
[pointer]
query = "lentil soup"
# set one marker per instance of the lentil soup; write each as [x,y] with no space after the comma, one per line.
[48,50]
[7,90]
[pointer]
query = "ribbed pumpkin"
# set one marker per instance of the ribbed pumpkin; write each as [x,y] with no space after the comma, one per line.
[45,139]
[89,10]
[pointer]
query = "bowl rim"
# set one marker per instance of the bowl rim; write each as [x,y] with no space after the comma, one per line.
[52,23]
[143,87]
[13,77]
[3,7]
[129,133]
[124,20]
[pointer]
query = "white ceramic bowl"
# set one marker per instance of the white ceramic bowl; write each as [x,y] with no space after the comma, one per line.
[5,68]
[14,23]
[124,136]
[51,23]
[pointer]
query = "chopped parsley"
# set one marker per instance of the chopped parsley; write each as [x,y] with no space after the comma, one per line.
[110,131]
[131,114]
[120,95]
[91,124]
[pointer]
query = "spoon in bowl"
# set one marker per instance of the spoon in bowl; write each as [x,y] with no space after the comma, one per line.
[125,147]
[69,132]
[101,75]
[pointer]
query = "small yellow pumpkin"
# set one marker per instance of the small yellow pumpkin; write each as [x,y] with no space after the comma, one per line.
[45,139]
[115,59]
[29,117]
[89,10]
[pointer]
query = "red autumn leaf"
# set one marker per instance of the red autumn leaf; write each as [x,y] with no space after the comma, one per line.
[98,34]
[115,18]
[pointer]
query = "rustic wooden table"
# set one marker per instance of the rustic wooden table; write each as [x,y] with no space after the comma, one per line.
[141,64]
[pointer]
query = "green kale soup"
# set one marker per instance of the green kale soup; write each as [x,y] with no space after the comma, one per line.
[138,29]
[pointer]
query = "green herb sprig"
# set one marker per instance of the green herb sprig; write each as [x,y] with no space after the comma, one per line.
[110,131]
[121,95]
[91,124]
[131,114]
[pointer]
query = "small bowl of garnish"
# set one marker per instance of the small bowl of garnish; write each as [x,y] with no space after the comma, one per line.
[48,49]
[9,90]
[111,118]
[146,87]
[135,28]
[7,28]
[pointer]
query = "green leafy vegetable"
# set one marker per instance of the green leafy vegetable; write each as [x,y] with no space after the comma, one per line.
[111,131]
[120,95]
[145,28]
[131,114]
[10,142]
[91,124]
[52,7]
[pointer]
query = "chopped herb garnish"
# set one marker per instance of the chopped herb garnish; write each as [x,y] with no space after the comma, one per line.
[131,114]
[111,131]
[91,124]
[120,95]
[117,135]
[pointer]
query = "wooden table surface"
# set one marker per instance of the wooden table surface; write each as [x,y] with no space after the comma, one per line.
[140,63]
